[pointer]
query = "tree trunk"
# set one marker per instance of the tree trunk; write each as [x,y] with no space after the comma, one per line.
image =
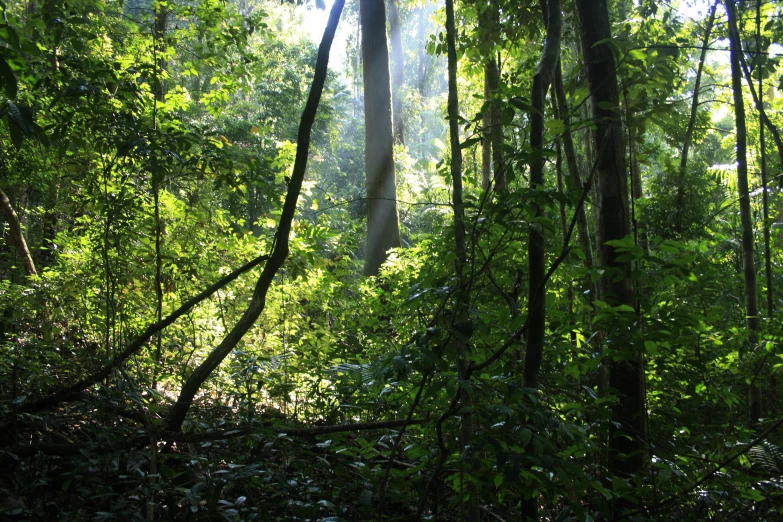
[573,170]
[492,119]
[536,302]
[686,144]
[492,72]
[161,22]
[15,235]
[398,71]
[383,228]
[472,513]
[280,252]
[536,251]
[746,218]
[616,288]
[763,168]
[640,234]
[486,138]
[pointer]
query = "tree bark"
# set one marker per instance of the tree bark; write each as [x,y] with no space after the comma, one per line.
[686,144]
[573,170]
[461,316]
[492,72]
[398,70]
[746,218]
[763,168]
[536,248]
[161,22]
[15,235]
[383,228]
[486,138]
[616,288]
[280,251]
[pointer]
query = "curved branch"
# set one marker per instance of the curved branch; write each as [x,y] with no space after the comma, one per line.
[280,251]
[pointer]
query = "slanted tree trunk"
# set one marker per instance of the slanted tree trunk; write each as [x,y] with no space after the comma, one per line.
[280,252]
[383,228]
[746,218]
[626,375]
[398,70]
[15,235]
[686,144]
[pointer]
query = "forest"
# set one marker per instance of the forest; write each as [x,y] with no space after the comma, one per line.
[391,260]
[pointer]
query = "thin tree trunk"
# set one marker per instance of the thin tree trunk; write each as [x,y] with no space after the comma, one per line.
[626,443]
[536,251]
[48,246]
[492,72]
[15,235]
[759,107]
[746,218]
[573,170]
[383,228]
[280,252]
[765,192]
[398,70]
[640,234]
[686,144]
[161,22]
[486,137]
[472,513]
[423,56]
[536,248]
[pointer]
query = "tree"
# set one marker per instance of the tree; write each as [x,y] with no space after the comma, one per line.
[398,70]
[626,443]
[16,235]
[686,145]
[383,228]
[746,219]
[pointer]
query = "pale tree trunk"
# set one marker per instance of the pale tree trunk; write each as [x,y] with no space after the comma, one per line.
[626,375]
[536,251]
[383,228]
[686,144]
[15,235]
[280,251]
[472,513]
[398,70]
[746,218]
[424,58]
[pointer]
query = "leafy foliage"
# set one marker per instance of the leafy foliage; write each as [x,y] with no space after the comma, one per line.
[144,167]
